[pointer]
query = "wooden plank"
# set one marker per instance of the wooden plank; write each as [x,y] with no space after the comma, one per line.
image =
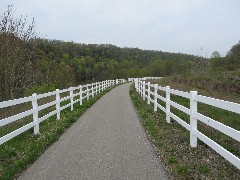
[219,149]
[47,115]
[64,107]
[180,121]
[226,105]
[16,133]
[161,88]
[152,93]
[151,100]
[161,97]
[44,106]
[219,126]
[15,102]
[161,107]
[180,93]
[77,100]
[64,90]
[65,98]
[39,96]
[180,107]
[15,117]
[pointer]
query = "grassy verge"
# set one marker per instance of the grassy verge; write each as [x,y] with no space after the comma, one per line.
[172,144]
[226,87]
[18,153]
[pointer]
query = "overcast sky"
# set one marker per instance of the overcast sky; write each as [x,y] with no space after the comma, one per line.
[185,26]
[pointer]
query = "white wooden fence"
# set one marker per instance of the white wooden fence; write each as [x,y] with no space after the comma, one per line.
[84,92]
[144,89]
[144,78]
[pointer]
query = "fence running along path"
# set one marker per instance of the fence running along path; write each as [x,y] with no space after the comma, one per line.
[83,92]
[107,142]
[144,89]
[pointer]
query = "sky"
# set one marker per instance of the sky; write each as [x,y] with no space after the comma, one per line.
[196,27]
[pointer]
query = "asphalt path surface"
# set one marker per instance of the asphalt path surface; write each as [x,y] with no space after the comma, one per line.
[107,142]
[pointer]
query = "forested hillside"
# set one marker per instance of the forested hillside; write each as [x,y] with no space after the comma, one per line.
[30,64]
[99,62]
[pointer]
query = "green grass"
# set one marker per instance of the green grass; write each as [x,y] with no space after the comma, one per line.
[173,146]
[23,150]
[172,159]
[202,168]
[182,169]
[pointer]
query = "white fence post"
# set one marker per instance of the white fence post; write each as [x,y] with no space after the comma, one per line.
[141,88]
[99,87]
[144,93]
[96,88]
[138,86]
[92,89]
[193,119]
[95,91]
[148,100]
[168,103]
[58,103]
[71,97]
[87,93]
[35,113]
[155,97]
[80,90]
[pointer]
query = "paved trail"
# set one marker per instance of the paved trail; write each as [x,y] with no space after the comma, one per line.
[107,142]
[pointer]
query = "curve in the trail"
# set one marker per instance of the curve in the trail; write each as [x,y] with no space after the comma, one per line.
[107,142]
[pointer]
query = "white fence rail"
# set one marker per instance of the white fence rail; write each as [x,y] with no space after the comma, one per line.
[144,78]
[84,92]
[144,89]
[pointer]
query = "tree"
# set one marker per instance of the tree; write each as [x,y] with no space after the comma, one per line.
[16,54]
[234,54]
[215,54]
